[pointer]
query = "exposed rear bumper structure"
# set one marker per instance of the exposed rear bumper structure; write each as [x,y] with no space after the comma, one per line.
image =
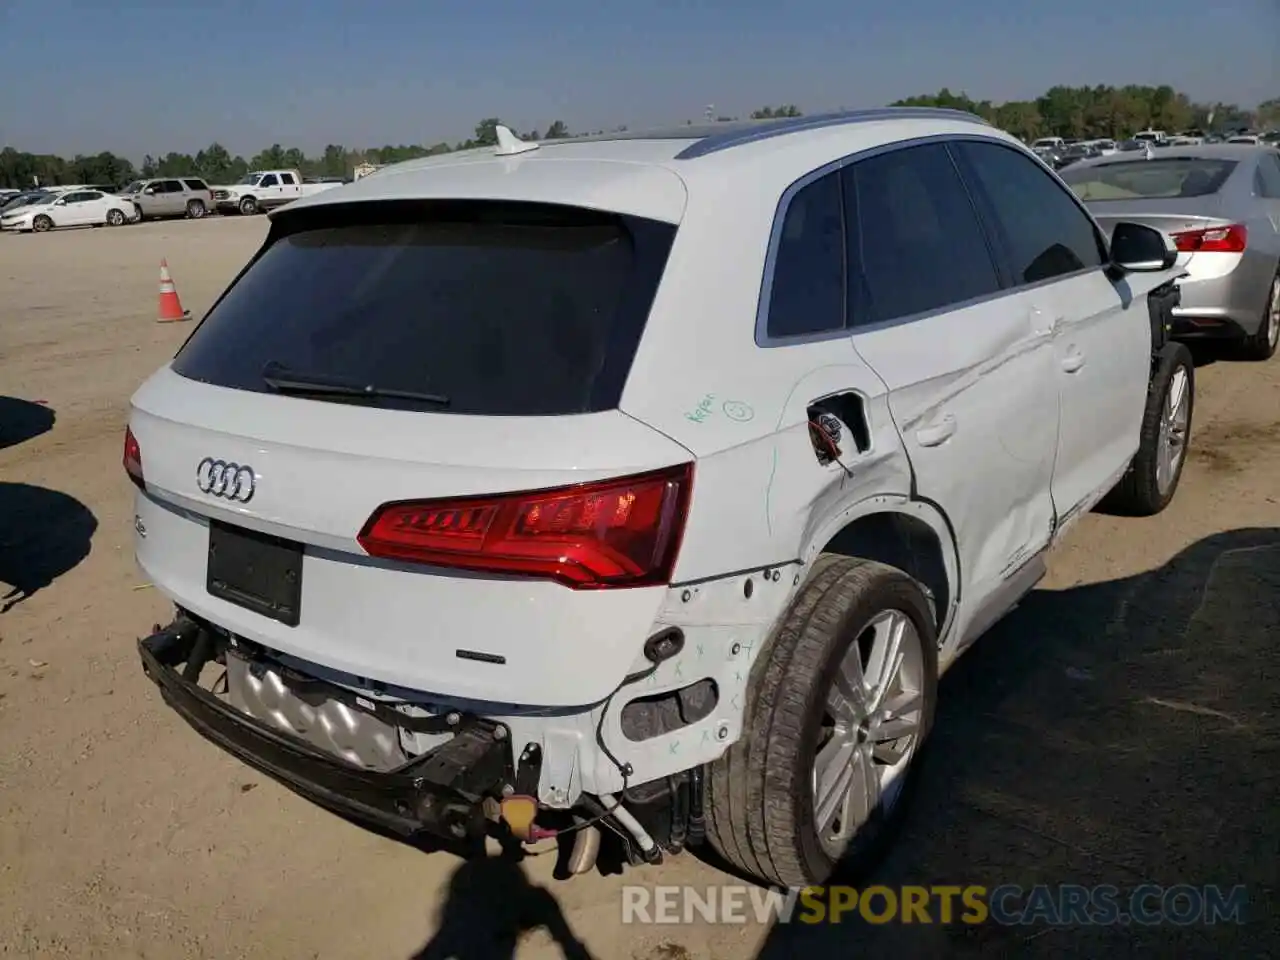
[439,793]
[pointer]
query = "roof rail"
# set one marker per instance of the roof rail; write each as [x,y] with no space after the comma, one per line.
[778,128]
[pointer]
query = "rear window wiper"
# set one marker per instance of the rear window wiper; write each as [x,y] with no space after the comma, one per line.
[283,380]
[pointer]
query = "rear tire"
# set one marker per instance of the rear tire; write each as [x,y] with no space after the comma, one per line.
[1151,482]
[1262,344]
[115,218]
[761,811]
[195,210]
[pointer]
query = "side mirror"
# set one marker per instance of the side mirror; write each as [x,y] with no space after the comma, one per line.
[1140,249]
[150,191]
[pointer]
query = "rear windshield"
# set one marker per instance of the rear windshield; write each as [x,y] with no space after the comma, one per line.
[1161,179]
[503,309]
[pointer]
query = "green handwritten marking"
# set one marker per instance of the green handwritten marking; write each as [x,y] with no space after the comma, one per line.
[703,410]
[700,651]
[736,702]
[706,736]
[675,747]
[738,411]
[679,674]
[768,490]
[738,676]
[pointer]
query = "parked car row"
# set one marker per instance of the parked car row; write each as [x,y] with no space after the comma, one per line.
[41,212]
[1062,152]
[45,209]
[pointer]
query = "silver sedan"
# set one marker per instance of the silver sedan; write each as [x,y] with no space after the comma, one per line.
[1221,204]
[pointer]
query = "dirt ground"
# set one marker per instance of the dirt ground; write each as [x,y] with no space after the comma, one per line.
[1120,727]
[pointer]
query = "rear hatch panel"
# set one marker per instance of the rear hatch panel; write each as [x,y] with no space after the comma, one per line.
[322,470]
[525,319]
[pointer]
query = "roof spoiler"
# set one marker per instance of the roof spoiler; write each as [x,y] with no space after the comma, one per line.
[509,144]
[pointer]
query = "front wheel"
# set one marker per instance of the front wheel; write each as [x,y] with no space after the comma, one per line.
[838,708]
[41,224]
[248,206]
[1156,469]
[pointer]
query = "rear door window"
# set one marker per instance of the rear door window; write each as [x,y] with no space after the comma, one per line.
[919,245]
[506,309]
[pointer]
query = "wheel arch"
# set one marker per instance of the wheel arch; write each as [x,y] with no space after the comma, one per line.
[911,535]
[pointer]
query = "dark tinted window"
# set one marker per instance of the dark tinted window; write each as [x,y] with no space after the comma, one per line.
[172,186]
[1044,231]
[806,295]
[196,184]
[269,180]
[1269,176]
[1167,178]
[918,245]
[507,309]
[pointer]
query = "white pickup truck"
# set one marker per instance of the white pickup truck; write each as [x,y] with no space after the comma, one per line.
[263,189]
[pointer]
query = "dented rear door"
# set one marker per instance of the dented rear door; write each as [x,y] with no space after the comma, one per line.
[968,371]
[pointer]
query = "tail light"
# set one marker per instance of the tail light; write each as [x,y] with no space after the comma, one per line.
[1232,239]
[611,533]
[133,459]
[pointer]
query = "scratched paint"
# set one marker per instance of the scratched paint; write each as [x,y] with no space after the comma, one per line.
[768,492]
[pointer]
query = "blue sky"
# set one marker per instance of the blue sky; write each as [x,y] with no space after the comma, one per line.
[136,77]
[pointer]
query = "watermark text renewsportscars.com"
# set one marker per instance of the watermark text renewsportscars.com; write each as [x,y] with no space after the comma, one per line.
[1007,904]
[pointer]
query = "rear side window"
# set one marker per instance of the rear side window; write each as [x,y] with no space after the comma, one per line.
[196,184]
[1044,232]
[1162,179]
[1269,176]
[806,294]
[505,309]
[918,245]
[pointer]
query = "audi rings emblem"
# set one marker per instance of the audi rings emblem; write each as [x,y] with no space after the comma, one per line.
[230,481]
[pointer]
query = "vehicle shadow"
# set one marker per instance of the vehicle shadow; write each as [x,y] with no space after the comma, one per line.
[43,534]
[1205,352]
[22,420]
[490,907]
[1117,733]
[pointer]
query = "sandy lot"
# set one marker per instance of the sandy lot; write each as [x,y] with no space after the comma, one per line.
[1120,727]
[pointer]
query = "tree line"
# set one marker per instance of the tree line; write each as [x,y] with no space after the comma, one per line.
[1098,111]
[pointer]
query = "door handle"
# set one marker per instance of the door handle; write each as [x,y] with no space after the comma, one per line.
[1073,361]
[937,432]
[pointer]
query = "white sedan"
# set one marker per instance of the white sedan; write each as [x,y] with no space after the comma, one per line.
[76,208]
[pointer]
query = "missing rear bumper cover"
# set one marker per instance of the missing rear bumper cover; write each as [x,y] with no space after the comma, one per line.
[440,792]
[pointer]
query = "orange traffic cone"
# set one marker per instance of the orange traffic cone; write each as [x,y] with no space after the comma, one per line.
[170,306]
